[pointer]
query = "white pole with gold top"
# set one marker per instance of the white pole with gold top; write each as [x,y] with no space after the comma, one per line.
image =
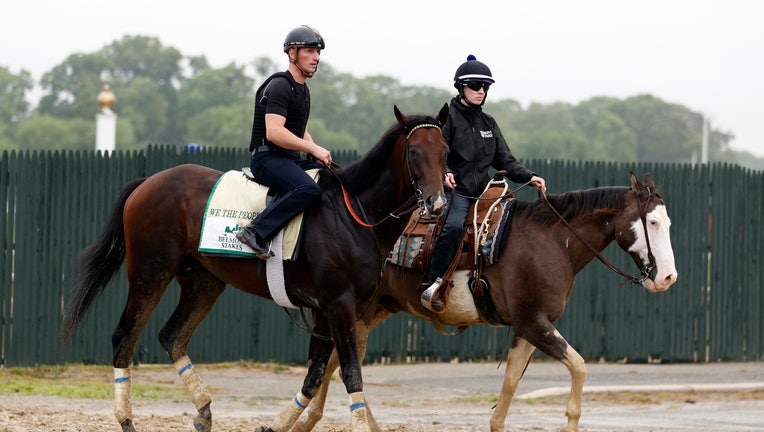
[106,122]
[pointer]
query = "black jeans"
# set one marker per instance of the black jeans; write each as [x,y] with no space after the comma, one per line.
[448,243]
[297,190]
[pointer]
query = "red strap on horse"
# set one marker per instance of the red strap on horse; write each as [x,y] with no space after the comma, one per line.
[350,209]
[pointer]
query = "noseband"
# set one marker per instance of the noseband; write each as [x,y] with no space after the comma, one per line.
[647,269]
[650,267]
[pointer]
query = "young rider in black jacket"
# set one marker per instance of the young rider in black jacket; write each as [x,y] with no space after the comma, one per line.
[476,144]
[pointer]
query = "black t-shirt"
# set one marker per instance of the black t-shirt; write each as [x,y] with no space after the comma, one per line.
[280,94]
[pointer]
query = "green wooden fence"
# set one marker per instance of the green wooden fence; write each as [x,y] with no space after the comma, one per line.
[54,204]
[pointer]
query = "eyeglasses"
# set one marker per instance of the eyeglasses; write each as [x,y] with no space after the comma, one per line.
[477,85]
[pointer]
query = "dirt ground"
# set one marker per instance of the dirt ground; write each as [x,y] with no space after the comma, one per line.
[415,398]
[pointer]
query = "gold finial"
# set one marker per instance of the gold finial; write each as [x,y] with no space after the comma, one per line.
[106,98]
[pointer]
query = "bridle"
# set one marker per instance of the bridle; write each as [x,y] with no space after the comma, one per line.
[648,268]
[407,207]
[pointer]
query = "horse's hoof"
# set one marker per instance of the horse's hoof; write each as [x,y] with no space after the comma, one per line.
[203,421]
[127,426]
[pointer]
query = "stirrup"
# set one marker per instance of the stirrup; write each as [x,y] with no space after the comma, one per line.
[250,239]
[428,297]
[263,252]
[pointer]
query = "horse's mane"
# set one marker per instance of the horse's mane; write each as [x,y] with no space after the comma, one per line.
[573,205]
[361,174]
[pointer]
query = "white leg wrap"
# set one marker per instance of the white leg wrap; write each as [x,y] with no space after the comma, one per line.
[289,415]
[200,396]
[358,419]
[123,408]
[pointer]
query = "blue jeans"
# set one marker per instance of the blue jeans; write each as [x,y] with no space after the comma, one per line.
[296,189]
[447,245]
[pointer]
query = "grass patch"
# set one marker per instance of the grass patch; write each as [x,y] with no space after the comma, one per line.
[79,381]
[478,398]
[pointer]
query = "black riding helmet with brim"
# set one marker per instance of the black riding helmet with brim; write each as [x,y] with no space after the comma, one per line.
[472,71]
[304,36]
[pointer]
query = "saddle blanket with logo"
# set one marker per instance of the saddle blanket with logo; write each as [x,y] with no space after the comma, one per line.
[233,203]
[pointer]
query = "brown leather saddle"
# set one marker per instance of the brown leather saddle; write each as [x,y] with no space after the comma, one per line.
[414,247]
[485,230]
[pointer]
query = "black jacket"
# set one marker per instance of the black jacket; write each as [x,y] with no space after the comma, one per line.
[477,144]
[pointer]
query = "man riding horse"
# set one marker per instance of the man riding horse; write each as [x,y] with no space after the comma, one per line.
[279,134]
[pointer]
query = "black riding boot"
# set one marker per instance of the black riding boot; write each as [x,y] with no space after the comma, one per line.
[251,238]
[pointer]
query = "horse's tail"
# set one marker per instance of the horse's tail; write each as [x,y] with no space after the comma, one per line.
[99,262]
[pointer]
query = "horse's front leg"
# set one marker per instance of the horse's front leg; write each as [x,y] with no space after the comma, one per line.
[517,360]
[319,374]
[315,410]
[547,339]
[342,323]
[577,368]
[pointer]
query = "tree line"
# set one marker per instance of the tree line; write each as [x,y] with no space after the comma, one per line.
[164,97]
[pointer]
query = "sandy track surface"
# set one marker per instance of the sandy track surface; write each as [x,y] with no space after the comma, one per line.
[433,397]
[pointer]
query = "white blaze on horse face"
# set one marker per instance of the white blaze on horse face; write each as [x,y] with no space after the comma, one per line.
[658,224]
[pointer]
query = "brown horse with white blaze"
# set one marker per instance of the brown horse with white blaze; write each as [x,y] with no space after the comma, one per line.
[550,241]
[156,223]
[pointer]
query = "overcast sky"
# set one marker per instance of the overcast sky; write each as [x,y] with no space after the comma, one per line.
[707,55]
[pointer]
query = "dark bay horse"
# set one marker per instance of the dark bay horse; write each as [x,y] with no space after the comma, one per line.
[155,226]
[533,280]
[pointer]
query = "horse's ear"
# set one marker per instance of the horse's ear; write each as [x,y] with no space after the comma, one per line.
[635,185]
[649,181]
[443,114]
[402,119]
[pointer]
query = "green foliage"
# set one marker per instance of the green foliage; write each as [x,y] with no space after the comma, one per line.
[125,139]
[141,102]
[143,56]
[363,108]
[72,87]
[589,131]
[6,143]
[215,88]
[163,97]
[331,139]
[45,132]
[220,126]
[664,132]
[13,89]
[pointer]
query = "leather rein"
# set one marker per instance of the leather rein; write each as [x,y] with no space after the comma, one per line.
[407,206]
[646,269]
